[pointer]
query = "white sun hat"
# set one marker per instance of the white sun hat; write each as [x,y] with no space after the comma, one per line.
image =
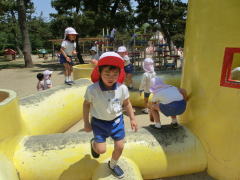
[69,30]
[122,49]
[148,65]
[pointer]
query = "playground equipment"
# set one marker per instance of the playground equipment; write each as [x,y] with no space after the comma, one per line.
[210,140]
[67,156]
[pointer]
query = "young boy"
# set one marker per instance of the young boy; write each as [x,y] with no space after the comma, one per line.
[104,100]
[169,100]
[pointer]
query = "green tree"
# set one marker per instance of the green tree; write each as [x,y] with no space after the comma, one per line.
[169,14]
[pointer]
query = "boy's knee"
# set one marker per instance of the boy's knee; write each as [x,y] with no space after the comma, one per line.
[100,150]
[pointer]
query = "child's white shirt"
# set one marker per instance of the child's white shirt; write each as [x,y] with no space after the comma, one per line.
[126,60]
[167,95]
[47,83]
[69,47]
[106,105]
[146,80]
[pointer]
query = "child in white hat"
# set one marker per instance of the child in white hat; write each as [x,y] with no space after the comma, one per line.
[47,82]
[95,55]
[68,49]
[167,99]
[148,67]
[128,66]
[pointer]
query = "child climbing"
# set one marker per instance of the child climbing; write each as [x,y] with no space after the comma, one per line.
[104,100]
[148,67]
[167,99]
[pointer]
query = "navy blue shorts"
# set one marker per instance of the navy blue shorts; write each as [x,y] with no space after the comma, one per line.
[63,60]
[128,68]
[146,95]
[174,108]
[103,129]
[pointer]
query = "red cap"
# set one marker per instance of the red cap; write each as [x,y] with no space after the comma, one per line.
[111,59]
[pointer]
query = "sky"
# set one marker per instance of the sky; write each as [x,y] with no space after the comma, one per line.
[45,7]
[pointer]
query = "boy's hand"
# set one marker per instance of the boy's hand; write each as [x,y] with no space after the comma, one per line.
[87,127]
[134,125]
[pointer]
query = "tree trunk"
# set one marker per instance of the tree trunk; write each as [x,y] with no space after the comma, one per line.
[24,31]
[14,31]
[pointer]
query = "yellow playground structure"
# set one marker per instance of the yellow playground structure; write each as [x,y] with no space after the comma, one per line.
[33,147]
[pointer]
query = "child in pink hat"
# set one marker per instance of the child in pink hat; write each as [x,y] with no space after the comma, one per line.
[169,100]
[148,67]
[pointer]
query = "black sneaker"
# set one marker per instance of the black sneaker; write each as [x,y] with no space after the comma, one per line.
[67,82]
[94,154]
[116,171]
[175,125]
[72,82]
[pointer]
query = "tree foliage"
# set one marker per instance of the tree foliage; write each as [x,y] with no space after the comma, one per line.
[89,18]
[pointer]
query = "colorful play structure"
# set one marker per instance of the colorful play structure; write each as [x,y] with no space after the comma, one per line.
[32,146]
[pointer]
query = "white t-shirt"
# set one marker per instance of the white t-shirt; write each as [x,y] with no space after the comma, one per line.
[126,60]
[146,80]
[106,105]
[69,47]
[47,83]
[167,95]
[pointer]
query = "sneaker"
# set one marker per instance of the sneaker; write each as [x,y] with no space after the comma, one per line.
[175,125]
[94,154]
[67,82]
[72,82]
[116,171]
[145,111]
[154,127]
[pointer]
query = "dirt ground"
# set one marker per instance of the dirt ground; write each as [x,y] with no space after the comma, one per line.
[23,81]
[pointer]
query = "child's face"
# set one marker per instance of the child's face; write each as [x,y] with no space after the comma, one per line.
[72,37]
[122,54]
[109,77]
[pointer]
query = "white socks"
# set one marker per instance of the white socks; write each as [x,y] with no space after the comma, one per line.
[112,163]
[158,125]
[68,78]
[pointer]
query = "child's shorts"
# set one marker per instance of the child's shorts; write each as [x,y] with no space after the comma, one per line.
[103,129]
[146,95]
[128,68]
[174,108]
[63,60]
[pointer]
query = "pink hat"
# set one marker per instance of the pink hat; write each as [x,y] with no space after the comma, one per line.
[148,65]
[47,73]
[157,84]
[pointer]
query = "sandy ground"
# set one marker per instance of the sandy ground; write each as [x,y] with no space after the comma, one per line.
[23,81]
